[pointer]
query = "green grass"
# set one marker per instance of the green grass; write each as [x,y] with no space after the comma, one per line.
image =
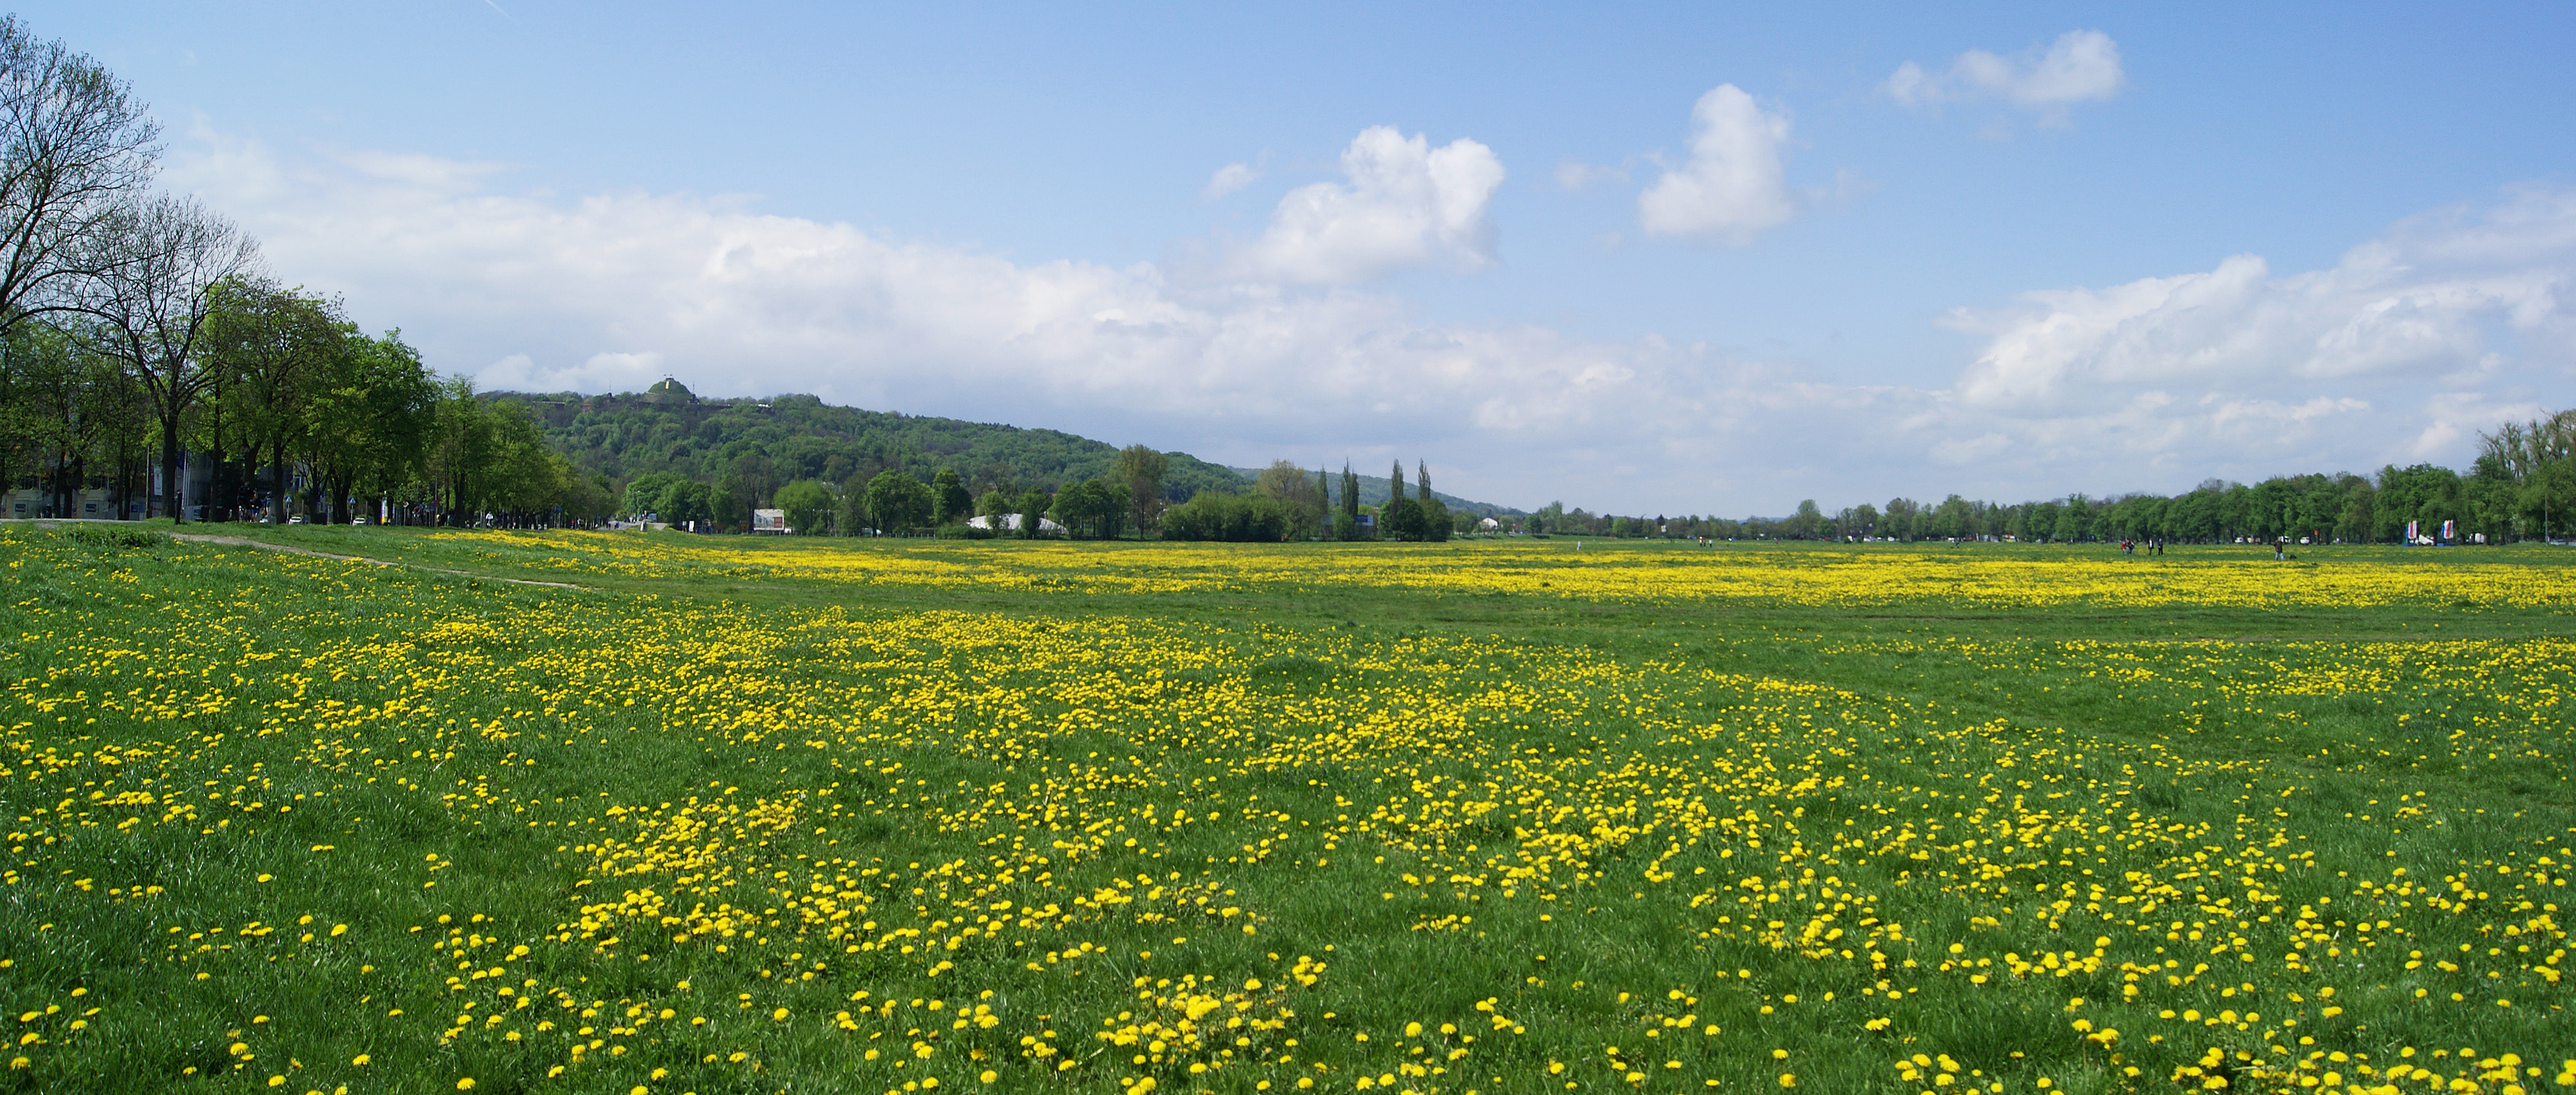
[1527,816]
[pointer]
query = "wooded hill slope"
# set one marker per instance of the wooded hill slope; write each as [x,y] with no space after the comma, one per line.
[629,434]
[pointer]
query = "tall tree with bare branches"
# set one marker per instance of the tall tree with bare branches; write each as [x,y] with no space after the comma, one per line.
[74,146]
[160,264]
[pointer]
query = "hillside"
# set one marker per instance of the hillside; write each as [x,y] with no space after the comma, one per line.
[629,434]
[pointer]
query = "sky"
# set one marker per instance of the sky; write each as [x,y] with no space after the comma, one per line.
[1651,259]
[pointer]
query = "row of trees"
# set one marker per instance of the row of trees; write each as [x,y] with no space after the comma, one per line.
[1285,503]
[137,328]
[2521,486]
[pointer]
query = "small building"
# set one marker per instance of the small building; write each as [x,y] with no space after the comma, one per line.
[1010,522]
[770,521]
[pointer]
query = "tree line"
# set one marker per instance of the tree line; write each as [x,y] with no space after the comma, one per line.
[1284,503]
[2521,486]
[151,366]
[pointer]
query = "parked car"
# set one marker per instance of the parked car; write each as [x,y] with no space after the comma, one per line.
[295,518]
[357,520]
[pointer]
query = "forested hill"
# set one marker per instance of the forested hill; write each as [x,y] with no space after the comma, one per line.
[630,434]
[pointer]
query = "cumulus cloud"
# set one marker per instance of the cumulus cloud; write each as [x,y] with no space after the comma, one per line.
[2440,327]
[2425,301]
[1730,188]
[2079,65]
[2445,325]
[1403,203]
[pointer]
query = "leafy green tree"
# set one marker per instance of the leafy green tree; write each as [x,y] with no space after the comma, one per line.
[1349,525]
[1809,522]
[60,408]
[854,507]
[687,500]
[2359,522]
[747,483]
[949,502]
[1140,473]
[271,348]
[1297,496]
[808,504]
[1034,503]
[1216,515]
[898,502]
[644,494]
[1324,490]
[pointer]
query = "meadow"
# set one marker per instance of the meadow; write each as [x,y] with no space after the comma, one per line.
[718,815]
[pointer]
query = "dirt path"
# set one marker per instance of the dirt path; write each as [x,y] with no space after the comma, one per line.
[243,541]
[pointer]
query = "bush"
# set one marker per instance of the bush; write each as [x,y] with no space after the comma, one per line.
[1212,515]
[123,539]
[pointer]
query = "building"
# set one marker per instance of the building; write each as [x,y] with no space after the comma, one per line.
[773,521]
[1010,522]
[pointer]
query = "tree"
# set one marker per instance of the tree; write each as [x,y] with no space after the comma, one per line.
[1809,522]
[687,500]
[2538,458]
[65,405]
[1033,505]
[158,263]
[996,504]
[2359,521]
[271,346]
[949,502]
[1434,524]
[74,147]
[854,507]
[1217,515]
[1092,509]
[808,504]
[1349,525]
[644,495]
[1324,490]
[1141,471]
[1864,519]
[898,502]
[366,424]
[1300,501]
[745,486]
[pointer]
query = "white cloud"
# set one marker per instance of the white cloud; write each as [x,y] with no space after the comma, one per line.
[1228,179]
[2079,65]
[1404,204]
[2440,327]
[1730,189]
[1576,174]
[2424,302]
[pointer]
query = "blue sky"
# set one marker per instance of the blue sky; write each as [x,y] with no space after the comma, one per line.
[1652,258]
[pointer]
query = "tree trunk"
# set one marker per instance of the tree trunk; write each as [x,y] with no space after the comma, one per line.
[277,480]
[174,493]
[220,501]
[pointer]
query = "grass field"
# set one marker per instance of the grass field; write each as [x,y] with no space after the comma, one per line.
[735,816]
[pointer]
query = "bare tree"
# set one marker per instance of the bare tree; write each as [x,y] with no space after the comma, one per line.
[158,267]
[74,144]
